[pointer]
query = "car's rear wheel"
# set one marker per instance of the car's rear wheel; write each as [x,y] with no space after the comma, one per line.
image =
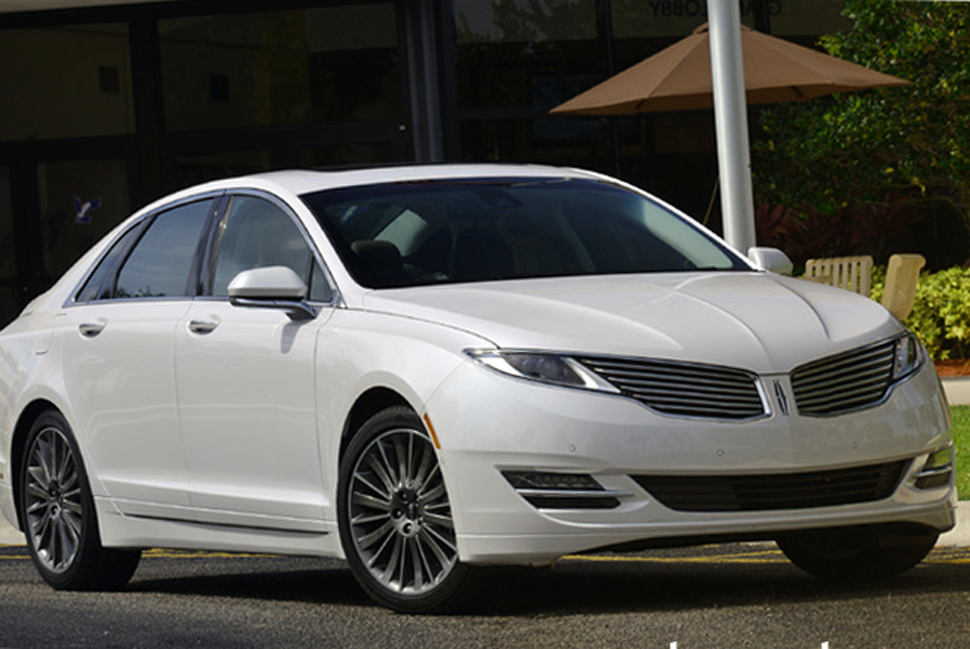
[59,518]
[395,517]
[860,553]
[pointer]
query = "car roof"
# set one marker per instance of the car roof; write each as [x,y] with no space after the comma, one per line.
[304,181]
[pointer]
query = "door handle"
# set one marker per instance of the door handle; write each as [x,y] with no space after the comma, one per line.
[202,326]
[91,329]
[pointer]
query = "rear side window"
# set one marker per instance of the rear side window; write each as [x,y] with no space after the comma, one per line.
[160,264]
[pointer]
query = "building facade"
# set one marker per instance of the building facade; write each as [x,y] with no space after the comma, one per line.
[107,106]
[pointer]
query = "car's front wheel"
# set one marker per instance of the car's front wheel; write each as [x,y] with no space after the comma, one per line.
[59,519]
[859,553]
[395,517]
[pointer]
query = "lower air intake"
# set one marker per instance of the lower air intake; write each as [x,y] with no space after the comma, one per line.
[777,491]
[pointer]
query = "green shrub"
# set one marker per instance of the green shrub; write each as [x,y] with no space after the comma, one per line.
[941,311]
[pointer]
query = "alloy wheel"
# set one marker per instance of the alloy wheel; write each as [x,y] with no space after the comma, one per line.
[400,515]
[53,500]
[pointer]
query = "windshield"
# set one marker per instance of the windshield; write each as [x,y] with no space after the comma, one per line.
[446,231]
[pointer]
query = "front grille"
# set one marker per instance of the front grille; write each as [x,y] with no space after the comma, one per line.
[683,389]
[846,382]
[778,491]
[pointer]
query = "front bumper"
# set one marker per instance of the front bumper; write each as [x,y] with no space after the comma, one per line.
[513,425]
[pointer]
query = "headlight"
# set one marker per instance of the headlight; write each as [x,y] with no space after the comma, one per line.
[543,367]
[908,356]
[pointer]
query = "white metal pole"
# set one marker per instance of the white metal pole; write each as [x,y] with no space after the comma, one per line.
[731,123]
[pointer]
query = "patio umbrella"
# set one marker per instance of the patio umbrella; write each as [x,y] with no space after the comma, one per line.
[679,77]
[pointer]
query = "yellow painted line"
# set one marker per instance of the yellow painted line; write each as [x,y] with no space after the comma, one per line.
[200,554]
[951,556]
[768,556]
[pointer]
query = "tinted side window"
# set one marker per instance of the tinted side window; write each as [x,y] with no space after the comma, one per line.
[161,262]
[256,233]
[100,285]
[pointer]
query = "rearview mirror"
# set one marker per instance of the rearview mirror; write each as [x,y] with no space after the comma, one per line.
[272,287]
[771,259]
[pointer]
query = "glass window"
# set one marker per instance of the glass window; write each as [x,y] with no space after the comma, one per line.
[161,263]
[518,53]
[284,67]
[81,201]
[194,169]
[8,270]
[100,285]
[360,153]
[71,81]
[256,233]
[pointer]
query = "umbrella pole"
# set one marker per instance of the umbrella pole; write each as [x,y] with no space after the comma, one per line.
[731,124]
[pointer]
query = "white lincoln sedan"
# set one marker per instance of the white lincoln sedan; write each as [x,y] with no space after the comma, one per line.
[430,369]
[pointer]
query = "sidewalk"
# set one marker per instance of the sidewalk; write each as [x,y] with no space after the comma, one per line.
[957,390]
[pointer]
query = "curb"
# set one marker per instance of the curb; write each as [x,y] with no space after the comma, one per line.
[957,390]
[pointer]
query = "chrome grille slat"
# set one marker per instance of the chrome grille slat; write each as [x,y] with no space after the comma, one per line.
[832,398]
[872,368]
[683,389]
[846,382]
[667,386]
[840,364]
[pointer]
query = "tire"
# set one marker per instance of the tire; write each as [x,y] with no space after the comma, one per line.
[395,517]
[859,553]
[58,514]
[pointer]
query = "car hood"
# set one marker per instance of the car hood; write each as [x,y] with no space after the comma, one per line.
[752,320]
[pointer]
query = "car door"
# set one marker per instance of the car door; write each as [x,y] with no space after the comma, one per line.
[246,382]
[119,344]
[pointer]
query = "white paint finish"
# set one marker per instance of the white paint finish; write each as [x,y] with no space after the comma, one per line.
[120,384]
[772,323]
[248,409]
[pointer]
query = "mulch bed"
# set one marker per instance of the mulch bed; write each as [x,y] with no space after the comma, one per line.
[956,367]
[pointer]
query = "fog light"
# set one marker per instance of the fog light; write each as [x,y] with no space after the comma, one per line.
[938,469]
[560,481]
[545,490]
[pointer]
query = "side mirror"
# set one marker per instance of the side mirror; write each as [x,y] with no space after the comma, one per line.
[771,259]
[272,287]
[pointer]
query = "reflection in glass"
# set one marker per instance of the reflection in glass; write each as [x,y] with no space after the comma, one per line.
[72,81]
[81,201]
[8,270]
[346,154]
[515,53]
[193,169]
[284,67]
[161,263]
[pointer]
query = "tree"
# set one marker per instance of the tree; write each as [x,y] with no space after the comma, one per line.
[880,145]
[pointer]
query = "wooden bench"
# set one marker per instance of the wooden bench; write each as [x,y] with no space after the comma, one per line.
[854,274]
[849,273]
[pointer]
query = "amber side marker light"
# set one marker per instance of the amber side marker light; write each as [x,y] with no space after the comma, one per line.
[434,435]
